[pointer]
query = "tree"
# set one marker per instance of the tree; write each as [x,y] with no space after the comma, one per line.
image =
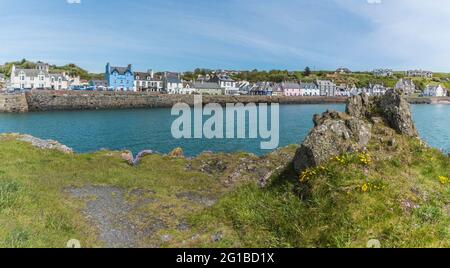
[307,71]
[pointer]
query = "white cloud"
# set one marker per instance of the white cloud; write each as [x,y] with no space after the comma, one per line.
[372,2]
[73,2]
[406,33]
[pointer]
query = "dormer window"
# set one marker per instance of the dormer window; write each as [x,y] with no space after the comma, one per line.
[137,77]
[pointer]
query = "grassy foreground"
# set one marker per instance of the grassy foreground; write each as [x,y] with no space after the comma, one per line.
[398,193]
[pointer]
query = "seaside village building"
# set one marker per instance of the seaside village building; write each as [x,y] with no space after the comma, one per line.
[326,87]
[406,86]
[419,73]
[98,84]
[309,89]
[383,72]
[226,83]
[291,89]
[205,88]
[147,81]
[172,83]
[435,91]
[41,78]
[120,78]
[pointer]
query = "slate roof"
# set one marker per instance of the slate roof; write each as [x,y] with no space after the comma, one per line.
[31,72]
[308,86]
[143,76]
[120,70]
[206,85]
[57,76]
[290,85]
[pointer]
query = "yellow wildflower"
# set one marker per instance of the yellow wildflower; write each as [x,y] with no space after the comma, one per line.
[365,188]
[443,180]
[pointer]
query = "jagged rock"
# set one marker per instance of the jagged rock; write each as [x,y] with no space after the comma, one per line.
[44,144]
[359,106]
[335,133]
[177,152]
[396,111]
[127,156]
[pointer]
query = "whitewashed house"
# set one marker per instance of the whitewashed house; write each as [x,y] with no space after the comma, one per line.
[147,81]
[419,73]
[435,91]
[326,87]
[188,88]
[228,84]
[41,78]
[172,83]
[406,86]
[309,89]
[377,90]
[342,91]
[383,72]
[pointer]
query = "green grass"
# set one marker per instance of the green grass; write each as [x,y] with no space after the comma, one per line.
[405,204]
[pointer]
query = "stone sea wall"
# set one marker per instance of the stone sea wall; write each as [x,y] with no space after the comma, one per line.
[91,100]
[13,103]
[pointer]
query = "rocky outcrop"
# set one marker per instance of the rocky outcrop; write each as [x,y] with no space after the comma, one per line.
[359,106]
[45,144]
[392,107]
[177,153]
[336,133]
[396,111]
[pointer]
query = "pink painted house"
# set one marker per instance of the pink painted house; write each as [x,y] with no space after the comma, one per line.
[291,89]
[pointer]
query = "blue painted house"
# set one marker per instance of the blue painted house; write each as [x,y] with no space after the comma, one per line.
[120,78]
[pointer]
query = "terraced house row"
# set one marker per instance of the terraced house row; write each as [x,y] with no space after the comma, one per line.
[125,78]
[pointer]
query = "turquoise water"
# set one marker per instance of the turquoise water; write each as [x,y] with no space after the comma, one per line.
[136,130]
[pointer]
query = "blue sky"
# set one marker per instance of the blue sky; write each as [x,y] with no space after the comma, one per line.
[180,35]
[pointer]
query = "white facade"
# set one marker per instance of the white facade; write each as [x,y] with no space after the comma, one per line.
[435,91]
[419,73]
[326,87]
[227,84]
[40,78]
[309,89]
[146,81]
[377,90]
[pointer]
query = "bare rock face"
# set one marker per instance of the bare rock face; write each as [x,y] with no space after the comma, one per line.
[45,144]
[396,111]
[359,106]
[177,153]
[334,134]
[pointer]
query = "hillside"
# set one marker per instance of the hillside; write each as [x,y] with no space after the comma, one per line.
[71,69]
[396,190]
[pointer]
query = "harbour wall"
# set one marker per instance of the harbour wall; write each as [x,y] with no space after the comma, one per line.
[36,101]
